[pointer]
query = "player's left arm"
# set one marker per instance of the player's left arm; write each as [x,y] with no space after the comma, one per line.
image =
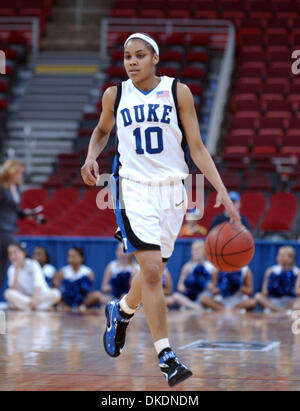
[198,151]
[247,287]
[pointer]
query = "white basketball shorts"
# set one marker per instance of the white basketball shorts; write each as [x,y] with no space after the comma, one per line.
[149,216]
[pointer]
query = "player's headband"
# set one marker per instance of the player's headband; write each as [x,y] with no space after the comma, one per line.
[147,39]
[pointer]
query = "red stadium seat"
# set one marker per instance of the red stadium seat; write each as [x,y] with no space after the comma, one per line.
[242,124]
[266,143]
[253,205]
[291,144]
[178,14]
[194,56]
[257,181]
[123,13]
[272,123]
[196,89]
[168,71]
[282,212]
[260,10]
[34,197]
[287,11]
[152,14]
[232,9]
[192,72]
[172,55]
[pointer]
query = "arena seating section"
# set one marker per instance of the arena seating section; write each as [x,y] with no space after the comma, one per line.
[16,43]
[262,120]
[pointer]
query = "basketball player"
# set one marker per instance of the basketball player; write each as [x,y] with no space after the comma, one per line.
[154,118]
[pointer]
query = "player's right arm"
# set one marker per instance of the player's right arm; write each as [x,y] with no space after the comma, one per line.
[100,135]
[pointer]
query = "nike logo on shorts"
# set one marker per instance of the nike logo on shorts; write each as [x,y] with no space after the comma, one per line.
[177,205]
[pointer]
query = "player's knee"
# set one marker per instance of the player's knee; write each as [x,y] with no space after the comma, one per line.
[152,274]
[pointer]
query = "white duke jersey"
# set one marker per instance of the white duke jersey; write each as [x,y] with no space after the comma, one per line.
[151,144]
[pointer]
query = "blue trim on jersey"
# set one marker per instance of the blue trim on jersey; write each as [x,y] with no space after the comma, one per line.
[120,223]
[145,92]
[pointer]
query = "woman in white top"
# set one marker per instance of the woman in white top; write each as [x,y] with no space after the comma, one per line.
[76,282]
[40,254]
[28,289]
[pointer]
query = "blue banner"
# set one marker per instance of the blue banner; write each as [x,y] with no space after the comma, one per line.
[100,251]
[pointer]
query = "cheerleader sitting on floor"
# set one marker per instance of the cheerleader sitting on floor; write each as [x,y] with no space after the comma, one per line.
[75,282]
[281,287]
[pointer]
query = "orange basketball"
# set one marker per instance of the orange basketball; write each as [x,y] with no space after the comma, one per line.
[229,247]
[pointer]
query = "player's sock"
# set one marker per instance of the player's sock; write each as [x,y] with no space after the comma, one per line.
[125,310]
[161,344]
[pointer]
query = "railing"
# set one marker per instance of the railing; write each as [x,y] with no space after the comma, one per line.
[30,24]
[222,38]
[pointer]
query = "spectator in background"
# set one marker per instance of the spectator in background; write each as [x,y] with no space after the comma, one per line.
[75,282]
[40,254]
[230,291]
[11,176]
[195,277]
[221,218]
[281,286]
[117,275]
[28,289]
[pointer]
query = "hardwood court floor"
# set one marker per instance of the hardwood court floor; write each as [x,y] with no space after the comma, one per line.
[64,351]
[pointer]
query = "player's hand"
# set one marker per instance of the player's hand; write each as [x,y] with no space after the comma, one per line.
[90,172]
[223,198]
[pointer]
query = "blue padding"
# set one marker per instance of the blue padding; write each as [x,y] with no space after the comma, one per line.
[100,251]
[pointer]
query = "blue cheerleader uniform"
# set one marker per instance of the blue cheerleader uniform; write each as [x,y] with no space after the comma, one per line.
[75,286]
[196,281]
[120,279]
[229,285]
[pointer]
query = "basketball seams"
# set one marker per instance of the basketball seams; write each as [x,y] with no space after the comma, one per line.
[236,235]
[238,252]
[216,250]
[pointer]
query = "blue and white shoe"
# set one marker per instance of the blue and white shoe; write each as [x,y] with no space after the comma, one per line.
[115,333]
[174,371]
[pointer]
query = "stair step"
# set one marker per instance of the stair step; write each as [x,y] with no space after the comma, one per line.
[71,90]
[40,107]
[54,115]
[64,98]
[59,80]
[42,125]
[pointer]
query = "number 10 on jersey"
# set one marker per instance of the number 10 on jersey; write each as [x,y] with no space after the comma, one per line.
[151,133]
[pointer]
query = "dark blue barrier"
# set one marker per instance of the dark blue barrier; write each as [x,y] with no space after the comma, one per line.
[100,251]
